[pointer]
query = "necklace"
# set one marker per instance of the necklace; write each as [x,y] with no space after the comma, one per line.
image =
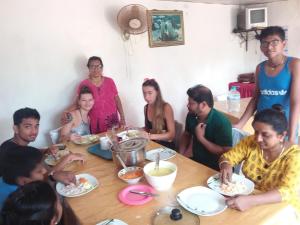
[274,66]
[266,157]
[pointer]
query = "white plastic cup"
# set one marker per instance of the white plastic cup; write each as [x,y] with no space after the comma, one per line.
[105,143]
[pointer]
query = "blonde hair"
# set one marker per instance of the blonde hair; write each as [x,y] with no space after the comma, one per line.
[158,122]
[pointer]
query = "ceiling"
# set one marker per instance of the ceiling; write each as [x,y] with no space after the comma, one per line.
[228,2]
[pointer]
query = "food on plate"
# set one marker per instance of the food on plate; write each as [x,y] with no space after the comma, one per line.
[160,172]
[132,174]
[132,133]
[88,139]
[82,185]
[233,187]
[52,160]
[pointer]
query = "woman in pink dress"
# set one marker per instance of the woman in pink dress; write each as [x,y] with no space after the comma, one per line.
[107,111]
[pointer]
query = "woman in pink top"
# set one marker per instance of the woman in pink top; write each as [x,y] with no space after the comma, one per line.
[107,106]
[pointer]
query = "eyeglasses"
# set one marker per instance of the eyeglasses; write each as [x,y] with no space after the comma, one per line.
[93,67]
[273,43]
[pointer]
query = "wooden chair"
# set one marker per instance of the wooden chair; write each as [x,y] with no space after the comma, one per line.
[178,133]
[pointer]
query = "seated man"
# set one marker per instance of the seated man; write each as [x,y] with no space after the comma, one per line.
[26,129]
[16,171]
[209,129]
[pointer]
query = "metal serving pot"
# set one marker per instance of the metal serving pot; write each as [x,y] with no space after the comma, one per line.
[131,151]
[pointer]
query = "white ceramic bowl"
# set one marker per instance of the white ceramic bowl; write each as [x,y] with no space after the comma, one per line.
[161,183]
[135,180]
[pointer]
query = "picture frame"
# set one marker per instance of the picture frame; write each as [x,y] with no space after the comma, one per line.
[165,28]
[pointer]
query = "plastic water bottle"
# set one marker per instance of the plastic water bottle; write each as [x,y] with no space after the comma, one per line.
[233,100]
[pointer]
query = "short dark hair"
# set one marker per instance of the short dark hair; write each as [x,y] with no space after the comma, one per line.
[33,203]
[94,58]
[200,93]
[274,117]
[19,161]
[272,30]
[25,113]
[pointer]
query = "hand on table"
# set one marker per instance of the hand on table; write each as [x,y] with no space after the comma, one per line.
[53,149]
[225,172]
[64,177]
[74,157]
[75,137]
[241,202]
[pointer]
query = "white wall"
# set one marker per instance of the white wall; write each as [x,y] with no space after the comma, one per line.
[45,44]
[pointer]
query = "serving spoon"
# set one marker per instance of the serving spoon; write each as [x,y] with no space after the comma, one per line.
[122,162]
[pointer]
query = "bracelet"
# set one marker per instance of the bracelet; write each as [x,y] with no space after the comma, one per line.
[222,162]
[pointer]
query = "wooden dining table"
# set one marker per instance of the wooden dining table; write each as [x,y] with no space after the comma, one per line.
[102,203]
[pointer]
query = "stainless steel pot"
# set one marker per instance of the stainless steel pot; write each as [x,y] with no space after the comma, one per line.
[131,151]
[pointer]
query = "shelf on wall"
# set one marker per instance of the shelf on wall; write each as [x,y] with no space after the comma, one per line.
[244,34]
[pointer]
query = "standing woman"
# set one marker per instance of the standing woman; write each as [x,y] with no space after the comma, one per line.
[104,113]
[159,116]
[80,123]
[277,81]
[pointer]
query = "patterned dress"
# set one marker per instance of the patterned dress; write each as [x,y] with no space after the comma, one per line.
[104,113]
[283,174]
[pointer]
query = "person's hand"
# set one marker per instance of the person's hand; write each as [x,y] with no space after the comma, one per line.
[225,172]
[74,157]
[145,134]
[75,137]
[52,149]
[65,177]
[241,202]
[66,117]
[200,130]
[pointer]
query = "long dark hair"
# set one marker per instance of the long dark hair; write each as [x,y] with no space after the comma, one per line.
[31,204]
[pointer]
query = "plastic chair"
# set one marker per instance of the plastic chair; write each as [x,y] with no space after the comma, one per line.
[237,136]
[54,135]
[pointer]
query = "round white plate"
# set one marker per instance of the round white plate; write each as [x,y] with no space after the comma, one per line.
[114,222]
[125,135]
[202,201]
[52,161]
[164,153]
[60,187]
[214,183]
[87,139]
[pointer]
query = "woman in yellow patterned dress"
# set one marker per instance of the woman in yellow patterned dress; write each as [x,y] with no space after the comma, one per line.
[270,161]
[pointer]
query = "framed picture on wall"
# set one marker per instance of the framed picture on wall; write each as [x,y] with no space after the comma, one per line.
[165,28]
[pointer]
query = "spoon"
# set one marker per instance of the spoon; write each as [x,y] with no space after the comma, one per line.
[122,163]
[157,158]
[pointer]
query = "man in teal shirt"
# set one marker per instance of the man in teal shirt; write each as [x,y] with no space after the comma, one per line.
[209,129]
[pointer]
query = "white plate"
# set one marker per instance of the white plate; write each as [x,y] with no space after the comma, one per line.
[52,161]
[201,201]
[130,134]
[60,187]
[87,139]
[114,222]
[214,183]
[164,153]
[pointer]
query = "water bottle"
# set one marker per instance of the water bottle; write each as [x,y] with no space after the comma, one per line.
[233,100]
